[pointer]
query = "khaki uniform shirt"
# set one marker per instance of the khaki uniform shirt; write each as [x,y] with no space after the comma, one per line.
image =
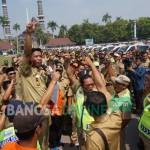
[119,67]
[110,125]
[32,83]
[146,63]
[65,87]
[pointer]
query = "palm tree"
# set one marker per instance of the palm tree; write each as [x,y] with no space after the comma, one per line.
[118,18]
[16,27]
[52,25]
[4,22]
[42,37]
[62,31]
[86,21]
[106,18]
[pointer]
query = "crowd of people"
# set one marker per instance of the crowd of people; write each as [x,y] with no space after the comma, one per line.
[85,98]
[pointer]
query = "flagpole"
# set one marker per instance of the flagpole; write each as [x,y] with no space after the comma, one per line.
[27,15]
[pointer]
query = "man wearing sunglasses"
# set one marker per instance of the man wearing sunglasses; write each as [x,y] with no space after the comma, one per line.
[11,73]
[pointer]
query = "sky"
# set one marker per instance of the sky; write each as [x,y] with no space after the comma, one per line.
[69,12]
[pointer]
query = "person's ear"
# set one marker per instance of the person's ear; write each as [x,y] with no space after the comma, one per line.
[124,87]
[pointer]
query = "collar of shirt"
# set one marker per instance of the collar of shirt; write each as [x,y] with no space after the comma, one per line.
[124,93]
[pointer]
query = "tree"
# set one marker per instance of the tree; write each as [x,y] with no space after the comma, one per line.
[42,37]
[16,27]
[86,21]
[143,27]
[62,31]
[78,33]
[4,22]
[87,29]
[106,18]
[53,26]
[120,30]
[75,34]
[118,18]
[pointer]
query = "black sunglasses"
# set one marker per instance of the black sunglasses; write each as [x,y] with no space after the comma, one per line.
[12,73]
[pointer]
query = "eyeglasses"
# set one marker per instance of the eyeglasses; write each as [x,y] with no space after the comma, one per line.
[91,84]
[12,73]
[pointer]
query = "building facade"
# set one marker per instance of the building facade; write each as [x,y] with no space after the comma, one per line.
[40,14]
[7,30]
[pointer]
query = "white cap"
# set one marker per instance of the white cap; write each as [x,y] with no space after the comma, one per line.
[116,54]
[96,63]
[122,79]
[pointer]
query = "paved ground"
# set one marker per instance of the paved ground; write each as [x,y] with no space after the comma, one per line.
[131,139]
[132,134]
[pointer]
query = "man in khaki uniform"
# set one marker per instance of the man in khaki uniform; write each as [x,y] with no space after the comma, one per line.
[111,127]
[32,77]
[110,124]
[33,85]
[104,132]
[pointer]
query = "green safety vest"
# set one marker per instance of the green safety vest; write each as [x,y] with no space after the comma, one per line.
[144,124]
[38,146]
[8,135]
[83,117]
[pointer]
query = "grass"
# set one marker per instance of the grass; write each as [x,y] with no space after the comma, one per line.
[4,59]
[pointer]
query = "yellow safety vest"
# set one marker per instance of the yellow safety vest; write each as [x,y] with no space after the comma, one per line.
[144,124]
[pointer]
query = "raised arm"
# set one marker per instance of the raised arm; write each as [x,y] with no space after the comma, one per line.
[99,81]
[28,39]
[8,92]
[2,78]
[71,74]
[47,96]
[2,118]
[75,84]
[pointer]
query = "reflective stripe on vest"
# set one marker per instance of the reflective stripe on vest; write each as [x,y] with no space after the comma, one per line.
[144,124]
[57,108]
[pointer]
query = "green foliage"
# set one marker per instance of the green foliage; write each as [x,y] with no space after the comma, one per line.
[16,27]
[62,31]
[118,30]
[106,18]
[75,34]
[4,60]
[143,26]
[52,25]
[3,21]
[42,37]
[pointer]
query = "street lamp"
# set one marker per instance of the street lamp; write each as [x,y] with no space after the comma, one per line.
[135,30]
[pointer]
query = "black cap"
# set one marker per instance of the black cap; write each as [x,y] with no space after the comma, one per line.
[96,103]
[95,97]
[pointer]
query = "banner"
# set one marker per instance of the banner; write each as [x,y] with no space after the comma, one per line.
[89,42]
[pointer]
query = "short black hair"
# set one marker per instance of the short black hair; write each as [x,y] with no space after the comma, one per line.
[4,69]
[139,58]
[9,69]
[25,136]
[83,76]
[36,49]
[96,103]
